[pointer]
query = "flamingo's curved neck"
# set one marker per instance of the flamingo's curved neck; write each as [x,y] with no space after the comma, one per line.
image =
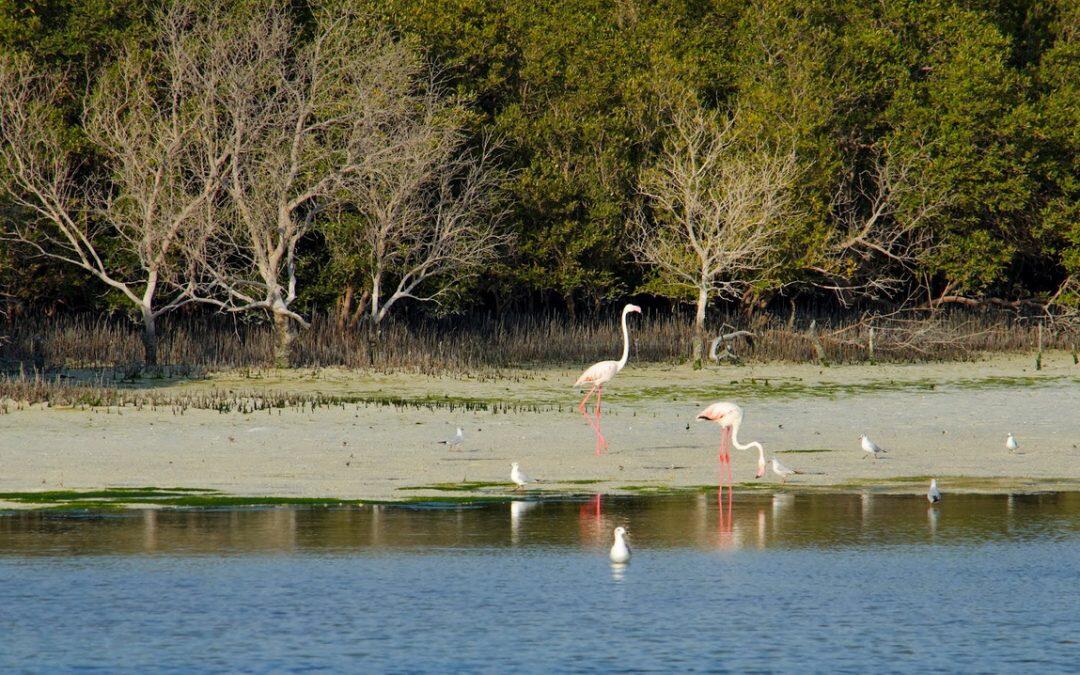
[751,444]
[625,342]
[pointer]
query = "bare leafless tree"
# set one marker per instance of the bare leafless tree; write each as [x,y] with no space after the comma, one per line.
[310,120]
[150,122]
[883,235]
[714,211]
[429,216]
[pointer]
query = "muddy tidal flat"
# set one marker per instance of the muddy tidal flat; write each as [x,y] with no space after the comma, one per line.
[374,437]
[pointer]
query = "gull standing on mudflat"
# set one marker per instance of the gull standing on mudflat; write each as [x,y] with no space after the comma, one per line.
[782,471]
[620,550]
[870,446]
[933,495]
[519,479]
[457,439]
[1011,443]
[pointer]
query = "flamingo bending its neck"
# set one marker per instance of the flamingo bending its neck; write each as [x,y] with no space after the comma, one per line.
[600,374]
[729,416]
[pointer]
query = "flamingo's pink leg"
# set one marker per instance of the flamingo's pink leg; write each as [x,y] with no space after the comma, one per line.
[730,489]
[720,478]
[581,406]
[601,442]
[584,412]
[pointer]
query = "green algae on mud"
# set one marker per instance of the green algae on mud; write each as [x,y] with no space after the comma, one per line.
[119,498]
[755,388]
[464,486]
[478,493]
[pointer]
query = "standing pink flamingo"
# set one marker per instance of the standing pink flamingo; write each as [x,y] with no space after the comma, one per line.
[600,374]
[729,416]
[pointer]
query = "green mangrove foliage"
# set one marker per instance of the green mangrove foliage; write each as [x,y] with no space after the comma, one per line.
[929,153]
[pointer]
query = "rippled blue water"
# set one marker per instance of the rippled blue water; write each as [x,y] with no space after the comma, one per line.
[816,584]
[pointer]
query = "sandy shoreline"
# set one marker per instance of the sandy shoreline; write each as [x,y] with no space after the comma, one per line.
[944,420]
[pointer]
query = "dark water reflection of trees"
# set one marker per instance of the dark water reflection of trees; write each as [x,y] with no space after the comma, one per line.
[758,521]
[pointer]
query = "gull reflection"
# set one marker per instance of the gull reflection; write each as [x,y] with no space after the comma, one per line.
[618,571]
[518,508]
[867,500]
[150,530]
[781,504]
[932,517]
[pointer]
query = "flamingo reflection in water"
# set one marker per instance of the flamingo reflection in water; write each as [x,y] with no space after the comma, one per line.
[592,508]
[591,521]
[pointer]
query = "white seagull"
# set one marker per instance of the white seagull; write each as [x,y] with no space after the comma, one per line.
[933,495]
[870,446]
[782,471]
[620,550]
[457,440]
[1011,443]
[519,479]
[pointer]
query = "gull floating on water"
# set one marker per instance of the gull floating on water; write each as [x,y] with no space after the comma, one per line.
[620,550]
[1011,443]
[519,479]
[457,440]
[933,495]
[871,447]
[782,471]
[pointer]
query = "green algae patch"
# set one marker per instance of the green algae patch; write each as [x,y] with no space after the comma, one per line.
[119,498]
[805,451]
[466,486]
[787,388]
[106,495]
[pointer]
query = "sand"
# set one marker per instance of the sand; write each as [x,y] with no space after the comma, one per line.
[943,420]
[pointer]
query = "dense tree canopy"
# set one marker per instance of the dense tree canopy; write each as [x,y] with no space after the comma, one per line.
[936,141]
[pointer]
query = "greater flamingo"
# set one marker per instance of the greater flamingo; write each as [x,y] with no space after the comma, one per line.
[729,416]
[600,374]
[620,550]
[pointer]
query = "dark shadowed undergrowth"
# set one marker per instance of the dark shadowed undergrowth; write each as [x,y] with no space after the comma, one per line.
[482,342]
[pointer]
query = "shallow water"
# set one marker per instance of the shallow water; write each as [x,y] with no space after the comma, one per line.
[788,583]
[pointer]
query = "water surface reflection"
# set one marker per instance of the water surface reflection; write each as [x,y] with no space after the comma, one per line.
[756,522]
[819,583]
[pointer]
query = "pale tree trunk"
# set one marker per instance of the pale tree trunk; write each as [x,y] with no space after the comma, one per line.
[344,307]
[149,318]
[284,335]
[149,337]
[376,307]
[699,327]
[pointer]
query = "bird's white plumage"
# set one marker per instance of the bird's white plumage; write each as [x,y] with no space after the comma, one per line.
[603,372]
[781,470]
[517,477]
[599,373]
[870,446]
[933,495]
[456,439]
[620,550]
[1011,443]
